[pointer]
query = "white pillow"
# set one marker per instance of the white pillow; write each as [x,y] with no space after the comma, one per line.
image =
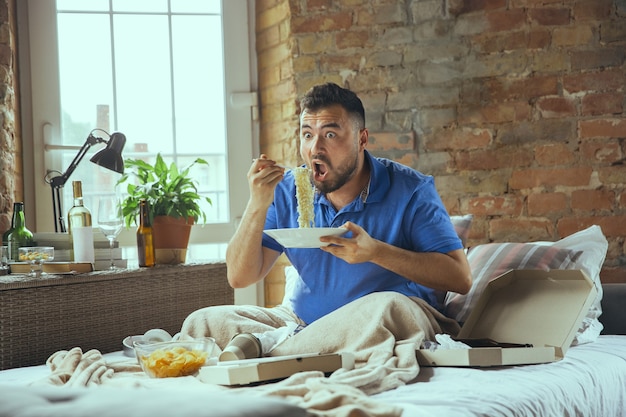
[462,224]
[584,250]
[291,276]
[593,244]
[490,260]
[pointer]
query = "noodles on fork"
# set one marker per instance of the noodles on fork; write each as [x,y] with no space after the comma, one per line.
[304,195]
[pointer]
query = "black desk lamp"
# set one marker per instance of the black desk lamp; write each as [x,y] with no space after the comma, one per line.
[109,157]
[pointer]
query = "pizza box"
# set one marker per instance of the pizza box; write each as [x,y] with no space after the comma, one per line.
[251,371]
[531,315]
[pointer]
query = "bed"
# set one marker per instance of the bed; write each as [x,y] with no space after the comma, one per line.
[589,381]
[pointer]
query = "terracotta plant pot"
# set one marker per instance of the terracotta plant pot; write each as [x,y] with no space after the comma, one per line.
[171,238]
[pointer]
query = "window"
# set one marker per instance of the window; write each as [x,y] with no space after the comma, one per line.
[155,70]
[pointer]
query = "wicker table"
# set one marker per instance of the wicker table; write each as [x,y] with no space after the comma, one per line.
[98,310]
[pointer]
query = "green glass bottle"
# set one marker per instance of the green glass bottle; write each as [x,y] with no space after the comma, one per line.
[20,236]
[5,235]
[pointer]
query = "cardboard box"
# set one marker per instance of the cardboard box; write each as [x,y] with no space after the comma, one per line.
[540,308]
[250,371]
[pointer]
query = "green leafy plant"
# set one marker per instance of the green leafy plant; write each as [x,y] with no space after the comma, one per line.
[168,190]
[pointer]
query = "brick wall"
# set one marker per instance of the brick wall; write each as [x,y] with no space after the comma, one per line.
[515,106]
[10,144]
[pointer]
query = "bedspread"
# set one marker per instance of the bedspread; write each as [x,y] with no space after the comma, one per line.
[382,330]
[590,381]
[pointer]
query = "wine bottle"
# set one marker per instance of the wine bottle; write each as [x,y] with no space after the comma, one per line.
[18,236]
[5,235]
[145,244]
[79,220]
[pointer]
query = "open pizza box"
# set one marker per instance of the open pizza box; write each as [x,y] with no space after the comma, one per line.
[533,316]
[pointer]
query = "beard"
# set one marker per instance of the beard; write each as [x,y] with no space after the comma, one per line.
[341,175]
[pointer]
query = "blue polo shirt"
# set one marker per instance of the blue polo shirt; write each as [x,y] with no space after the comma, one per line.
[402,208]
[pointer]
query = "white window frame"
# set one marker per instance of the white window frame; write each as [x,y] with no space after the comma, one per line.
[40,106]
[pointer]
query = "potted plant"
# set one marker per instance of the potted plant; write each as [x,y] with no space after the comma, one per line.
[174,204]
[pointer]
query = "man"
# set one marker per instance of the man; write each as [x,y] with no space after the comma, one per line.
[400,238]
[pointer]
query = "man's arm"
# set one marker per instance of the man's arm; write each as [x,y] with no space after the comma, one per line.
[441,271]
[246,259]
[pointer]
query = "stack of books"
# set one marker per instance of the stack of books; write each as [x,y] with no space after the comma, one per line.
[64,254]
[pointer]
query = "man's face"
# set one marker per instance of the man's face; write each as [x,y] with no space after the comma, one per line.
[331,146]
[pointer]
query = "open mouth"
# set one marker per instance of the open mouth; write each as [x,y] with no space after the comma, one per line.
[319,171]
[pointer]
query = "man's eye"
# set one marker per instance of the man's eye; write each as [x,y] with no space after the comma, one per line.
[331,135]
[306,136]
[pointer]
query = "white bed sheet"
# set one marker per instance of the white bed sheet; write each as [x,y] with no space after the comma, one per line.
[590,381]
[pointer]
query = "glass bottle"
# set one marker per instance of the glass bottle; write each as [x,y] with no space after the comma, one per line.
[19,235]
[5,235]
[79,221]
[145,244]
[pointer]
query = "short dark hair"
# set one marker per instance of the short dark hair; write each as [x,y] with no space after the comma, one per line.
[325,95]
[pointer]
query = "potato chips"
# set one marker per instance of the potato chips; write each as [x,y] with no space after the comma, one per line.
[177,361]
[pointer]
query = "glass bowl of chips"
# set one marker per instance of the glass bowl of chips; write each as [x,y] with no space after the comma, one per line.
[175,358]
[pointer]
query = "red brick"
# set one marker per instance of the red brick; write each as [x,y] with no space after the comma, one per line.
[318,4]
[539,38]
[6,55]
[572,35]
[352,39]
[598,58]
[605,151]
[500,41]
[592,10]
[267,38]
[550,16]
[612,226]
[609,80]
[535,3]
[496,206]
[520,230]
[457,7]
[506,20]
[592,200]
[528,87]
[615,128]
[271,15]
[612,175]
[481,159]
[547,203]
[338,62]
[613,32]
[321,23]
[550,130]
[465,138]
[551,107]
[602,104]
[613,274]
[384,141]
[516,111]
[554,154]
[409,159]
[531,178]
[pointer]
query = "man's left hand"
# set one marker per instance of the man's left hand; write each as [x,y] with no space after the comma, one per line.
[358,248]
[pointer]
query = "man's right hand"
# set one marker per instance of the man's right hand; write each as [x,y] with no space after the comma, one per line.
[263,176]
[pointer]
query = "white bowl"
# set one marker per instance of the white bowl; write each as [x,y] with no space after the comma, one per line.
[304,237]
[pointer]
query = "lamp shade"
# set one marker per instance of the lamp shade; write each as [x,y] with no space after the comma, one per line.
[111,156]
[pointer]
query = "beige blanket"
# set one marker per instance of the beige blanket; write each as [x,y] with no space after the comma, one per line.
[382,330]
